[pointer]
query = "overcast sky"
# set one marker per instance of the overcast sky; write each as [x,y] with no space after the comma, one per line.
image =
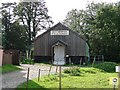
[58,9]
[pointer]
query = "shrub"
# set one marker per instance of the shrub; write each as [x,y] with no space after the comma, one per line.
[73,71]
[106,66]
[27,61]
[90,70]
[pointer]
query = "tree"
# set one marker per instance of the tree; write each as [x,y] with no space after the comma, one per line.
[17,37]
[0,32]
[34,16]
[83,21]
[7,19]
[99,23]
[108,21]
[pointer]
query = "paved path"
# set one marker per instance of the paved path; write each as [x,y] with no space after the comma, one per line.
[13,79]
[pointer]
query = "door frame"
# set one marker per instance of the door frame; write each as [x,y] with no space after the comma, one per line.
[59,42]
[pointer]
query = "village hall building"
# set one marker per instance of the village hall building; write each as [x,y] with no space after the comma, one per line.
[60,45]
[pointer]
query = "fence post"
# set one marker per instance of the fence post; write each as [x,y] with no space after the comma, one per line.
[59,77]
[56,68]
[93,61]
[80,62]
[49,70]
[69,60]
[39,75]
[27,78]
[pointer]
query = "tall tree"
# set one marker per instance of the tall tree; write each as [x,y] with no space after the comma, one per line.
[0,32]
[83,21]
[100,25]
[7,19]
[34,16]
[17,37]
[108,21]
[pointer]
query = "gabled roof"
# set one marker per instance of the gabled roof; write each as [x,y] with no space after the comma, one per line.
[60,26]
[59,42]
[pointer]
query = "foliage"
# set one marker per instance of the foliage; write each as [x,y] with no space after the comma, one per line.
[7,19]
[9,68]
[106,66]
[90,70]
[16,37]
[27,61]
[88,80]
[34,16]
[99,23]
[73,71]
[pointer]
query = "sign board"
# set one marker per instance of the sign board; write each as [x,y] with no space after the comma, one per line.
[113,81]
[59,32]
[117,68]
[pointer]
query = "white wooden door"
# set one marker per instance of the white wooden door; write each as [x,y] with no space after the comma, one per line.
[59,55]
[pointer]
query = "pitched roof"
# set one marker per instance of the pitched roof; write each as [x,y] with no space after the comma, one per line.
[59,26]
[60,42]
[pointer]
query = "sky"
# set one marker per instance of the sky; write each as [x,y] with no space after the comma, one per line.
[58,9]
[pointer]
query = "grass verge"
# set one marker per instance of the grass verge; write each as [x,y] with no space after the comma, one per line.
[89,78]
[8,68]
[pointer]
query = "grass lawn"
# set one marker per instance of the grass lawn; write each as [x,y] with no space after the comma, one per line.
[8,68]
[89,78]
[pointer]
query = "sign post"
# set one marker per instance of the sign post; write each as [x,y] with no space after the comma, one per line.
[118,70]
[119,81]
[114,80]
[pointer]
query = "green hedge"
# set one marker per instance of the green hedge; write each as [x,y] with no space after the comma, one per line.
[106,66]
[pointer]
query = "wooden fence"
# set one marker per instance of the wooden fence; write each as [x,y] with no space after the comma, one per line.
[9,57]
[1,56]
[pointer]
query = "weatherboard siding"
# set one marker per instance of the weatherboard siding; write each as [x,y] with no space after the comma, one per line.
[75,45]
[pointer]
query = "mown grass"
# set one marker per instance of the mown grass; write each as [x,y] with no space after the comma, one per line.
[89,78]
[8,68]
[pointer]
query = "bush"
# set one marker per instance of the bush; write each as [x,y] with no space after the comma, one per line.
[73,71]
[27,61]
[106,66]
[90,70]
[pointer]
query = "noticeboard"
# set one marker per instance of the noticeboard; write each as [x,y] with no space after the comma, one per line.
[59,32]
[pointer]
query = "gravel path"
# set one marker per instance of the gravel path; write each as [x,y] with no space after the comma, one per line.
[13,79]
